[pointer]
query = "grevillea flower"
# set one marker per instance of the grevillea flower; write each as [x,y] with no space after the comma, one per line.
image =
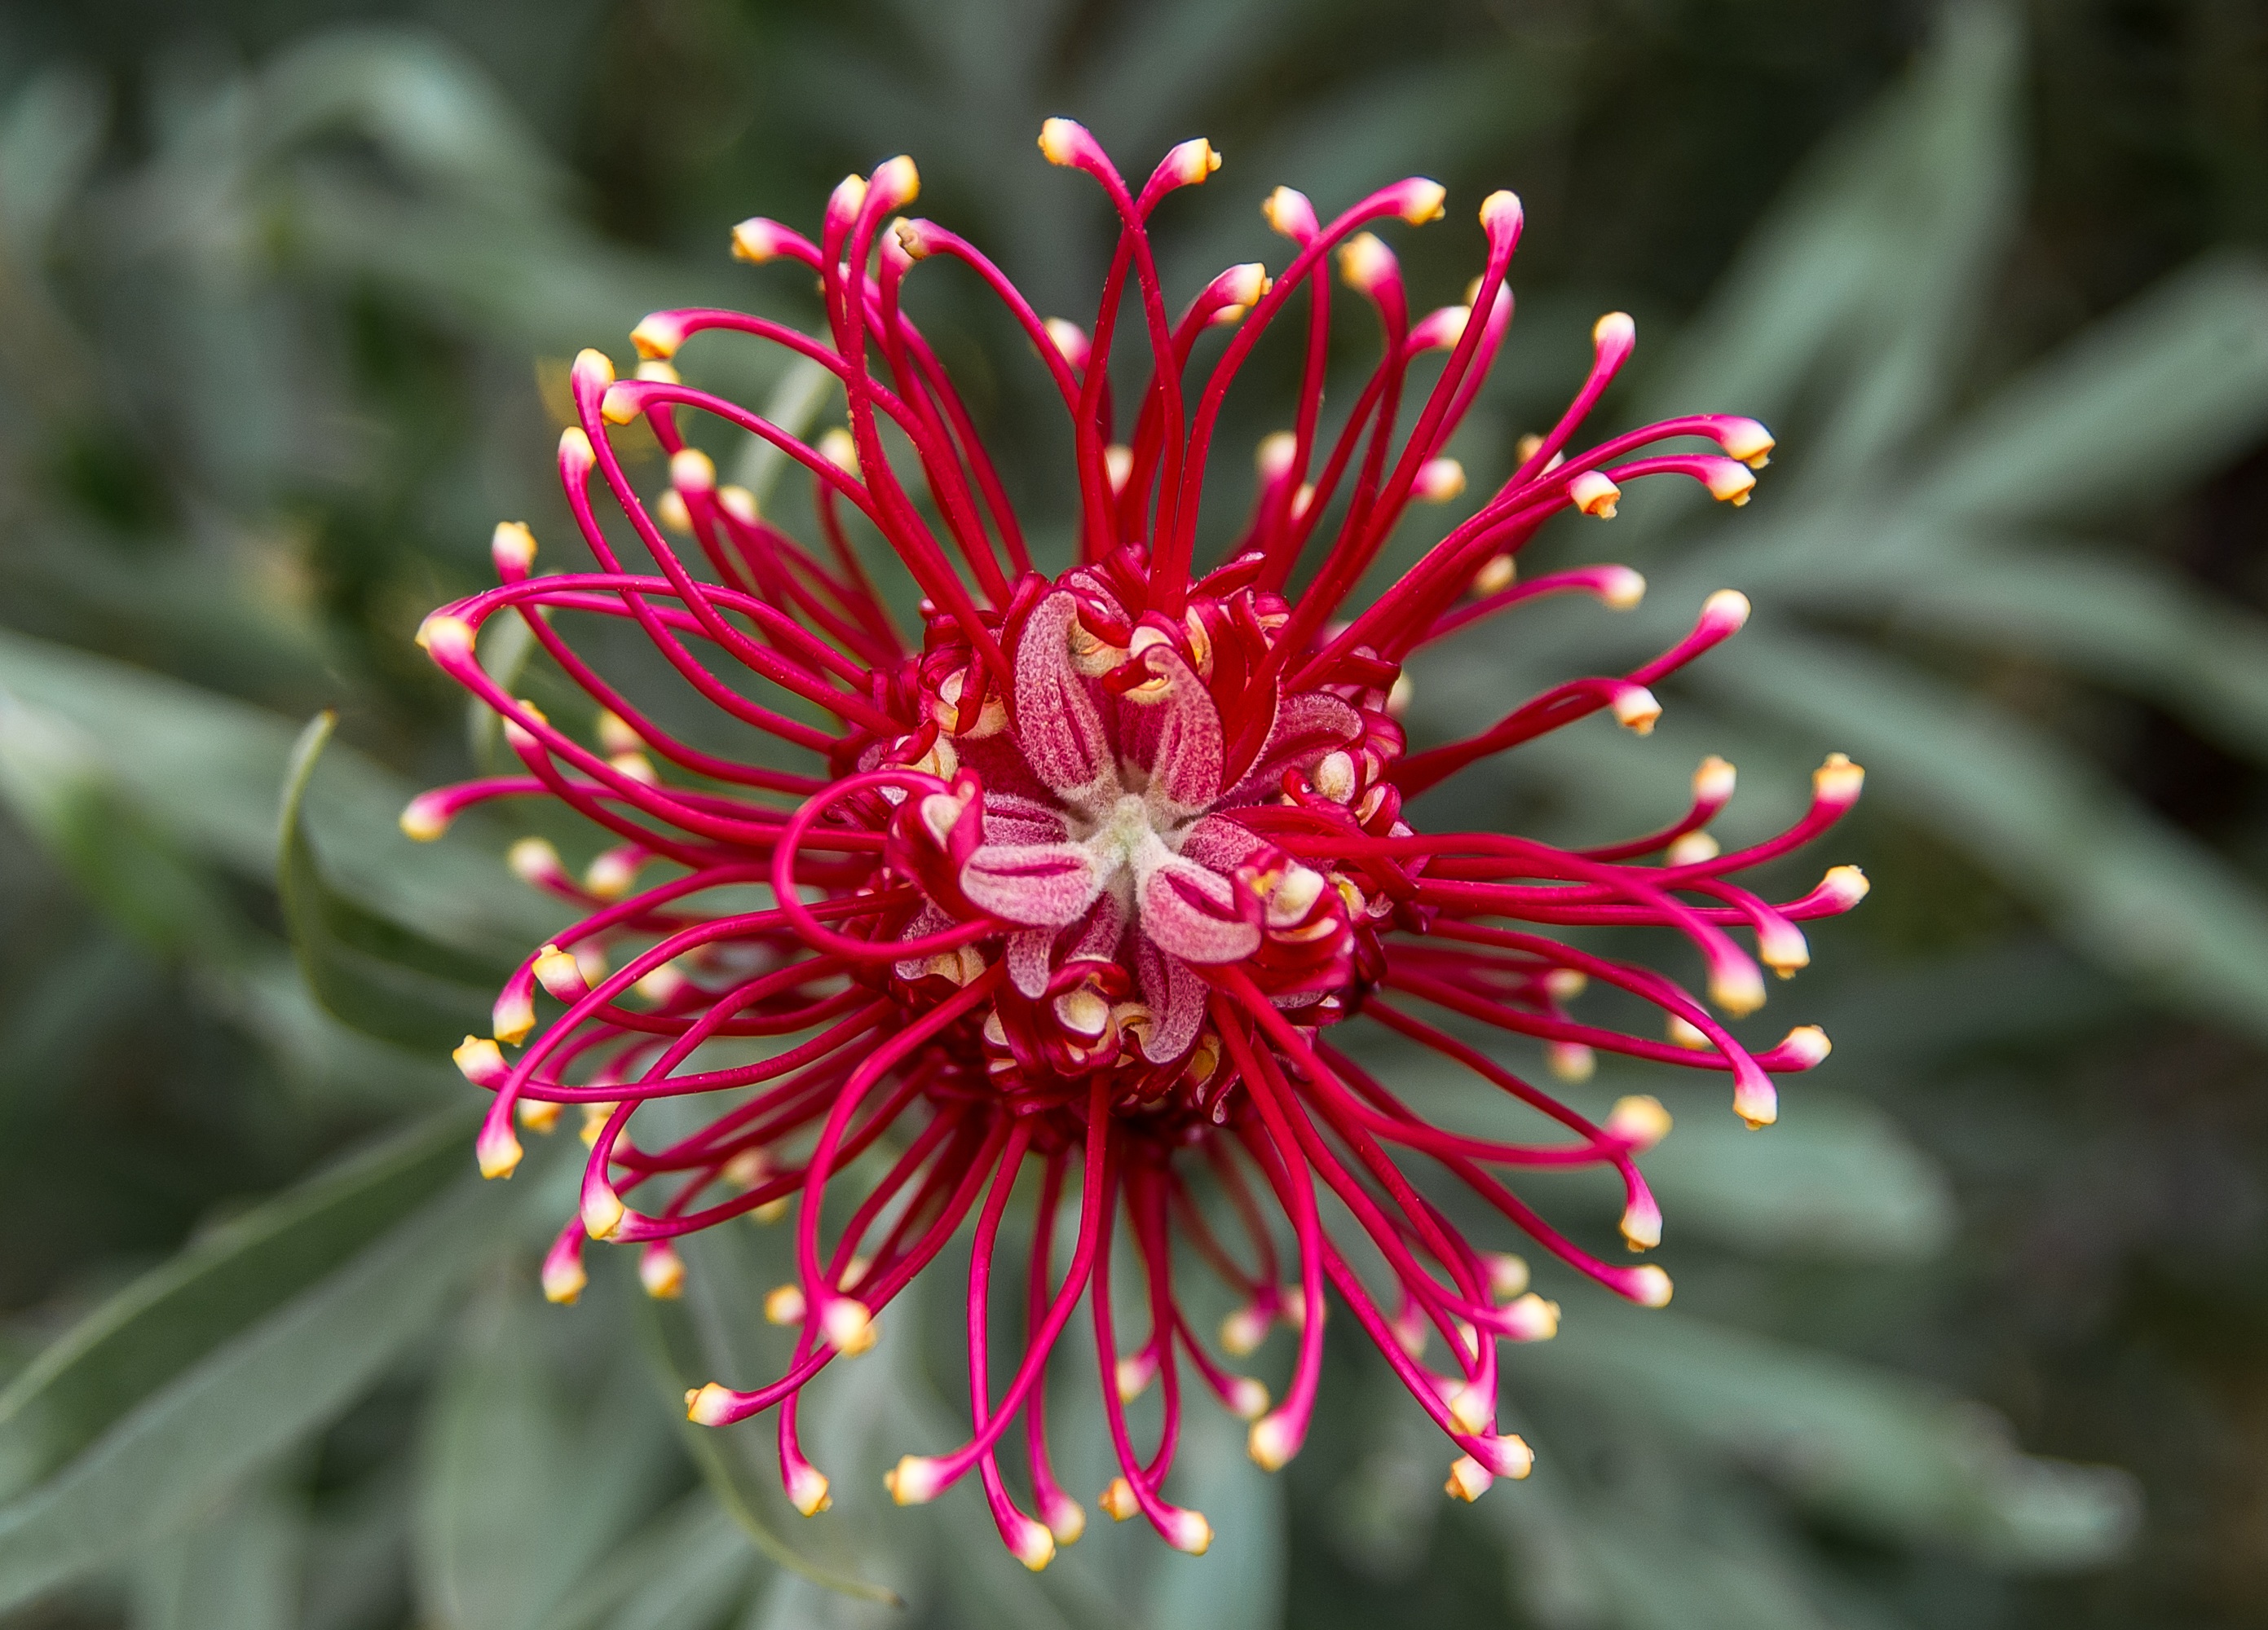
[1080,889]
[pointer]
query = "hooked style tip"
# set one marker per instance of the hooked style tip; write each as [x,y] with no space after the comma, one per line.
[916,1479]
[564,1276]
[1189,162]
[424,817]
[602,1209]
[1421,201]
[661,1271]
[1529,1317]
[848,1325]
[1805,1046]
[1570,1062]
[895,183]
[757,240]
[1638,1121]
[444,638]
[1365,263]
[1032,1545]
[1189,1531]
[1118,1499]
[658,334]
[481,1060]
[1641,1223]
[712,1405]
[1064,141]
[1272,1441]
[1507,1274]
[497,1149]
[1838,781]
[1713,781]
[1066,1517]
[1595,492]
[1636,708]
[512,546]
[1650,1287]
[1290,214]
[1746,440]
[1725,614]
[1613,336]
[1440,479]
[806,1490]
[1501,213]
[1469,1480]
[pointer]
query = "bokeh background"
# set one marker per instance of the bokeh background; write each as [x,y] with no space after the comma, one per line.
[1977,1337]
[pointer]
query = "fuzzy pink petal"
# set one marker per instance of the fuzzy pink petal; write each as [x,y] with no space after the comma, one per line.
[1039,884]
[1030,957]
[1186,752]
[1218,844]
[1191,914]
[1057,722]
[1176,997]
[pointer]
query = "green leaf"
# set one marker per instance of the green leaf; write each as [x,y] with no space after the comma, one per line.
[532,1466]
[678,1572]
[2140,406]
[170,1450]
[372,973]
[203,769]
[2126,889]
[153,1332]
[238,1571]
[1873,1449]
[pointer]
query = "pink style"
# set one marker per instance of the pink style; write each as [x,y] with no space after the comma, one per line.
[1078,889]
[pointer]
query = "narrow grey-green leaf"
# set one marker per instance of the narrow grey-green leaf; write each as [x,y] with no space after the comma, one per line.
[152,1332]
[252,1396]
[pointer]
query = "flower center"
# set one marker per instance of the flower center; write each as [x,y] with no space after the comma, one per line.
[1145,803]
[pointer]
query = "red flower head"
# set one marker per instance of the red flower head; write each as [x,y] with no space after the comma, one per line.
[1083,883]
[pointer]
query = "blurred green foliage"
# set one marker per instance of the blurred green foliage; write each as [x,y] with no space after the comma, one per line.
[282,291]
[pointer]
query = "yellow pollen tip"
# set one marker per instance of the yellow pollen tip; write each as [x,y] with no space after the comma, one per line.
[1469,1480]
[498,1152]
[1713,781]
[898,180]
[423,821]
[1498,573]
[1423,202]
[538,1115]
[1638,1121]
[1738,988]
[620,405]
[444,637]
[1059,140]
[1838,781]
[1615,330]
[1472,1406]
[1727,609]
[602,1212]
[1748,442]
[708,1406]
[1118,1499]
[562,1283]
[915,1480]
[1731,483]
[848,1325]
[1034,1546]
[1651,1287]
[1508,1274]
[479,1059]
[1636,708]
[1594,494]
[593,365]
[658,337]
[512,544]
[661,1271]
[1271,1443]
[1189,1532]
[1440,480]
[1570,1061]
[806,1491]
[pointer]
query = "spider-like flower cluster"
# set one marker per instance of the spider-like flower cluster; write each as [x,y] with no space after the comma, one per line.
[1078,889]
